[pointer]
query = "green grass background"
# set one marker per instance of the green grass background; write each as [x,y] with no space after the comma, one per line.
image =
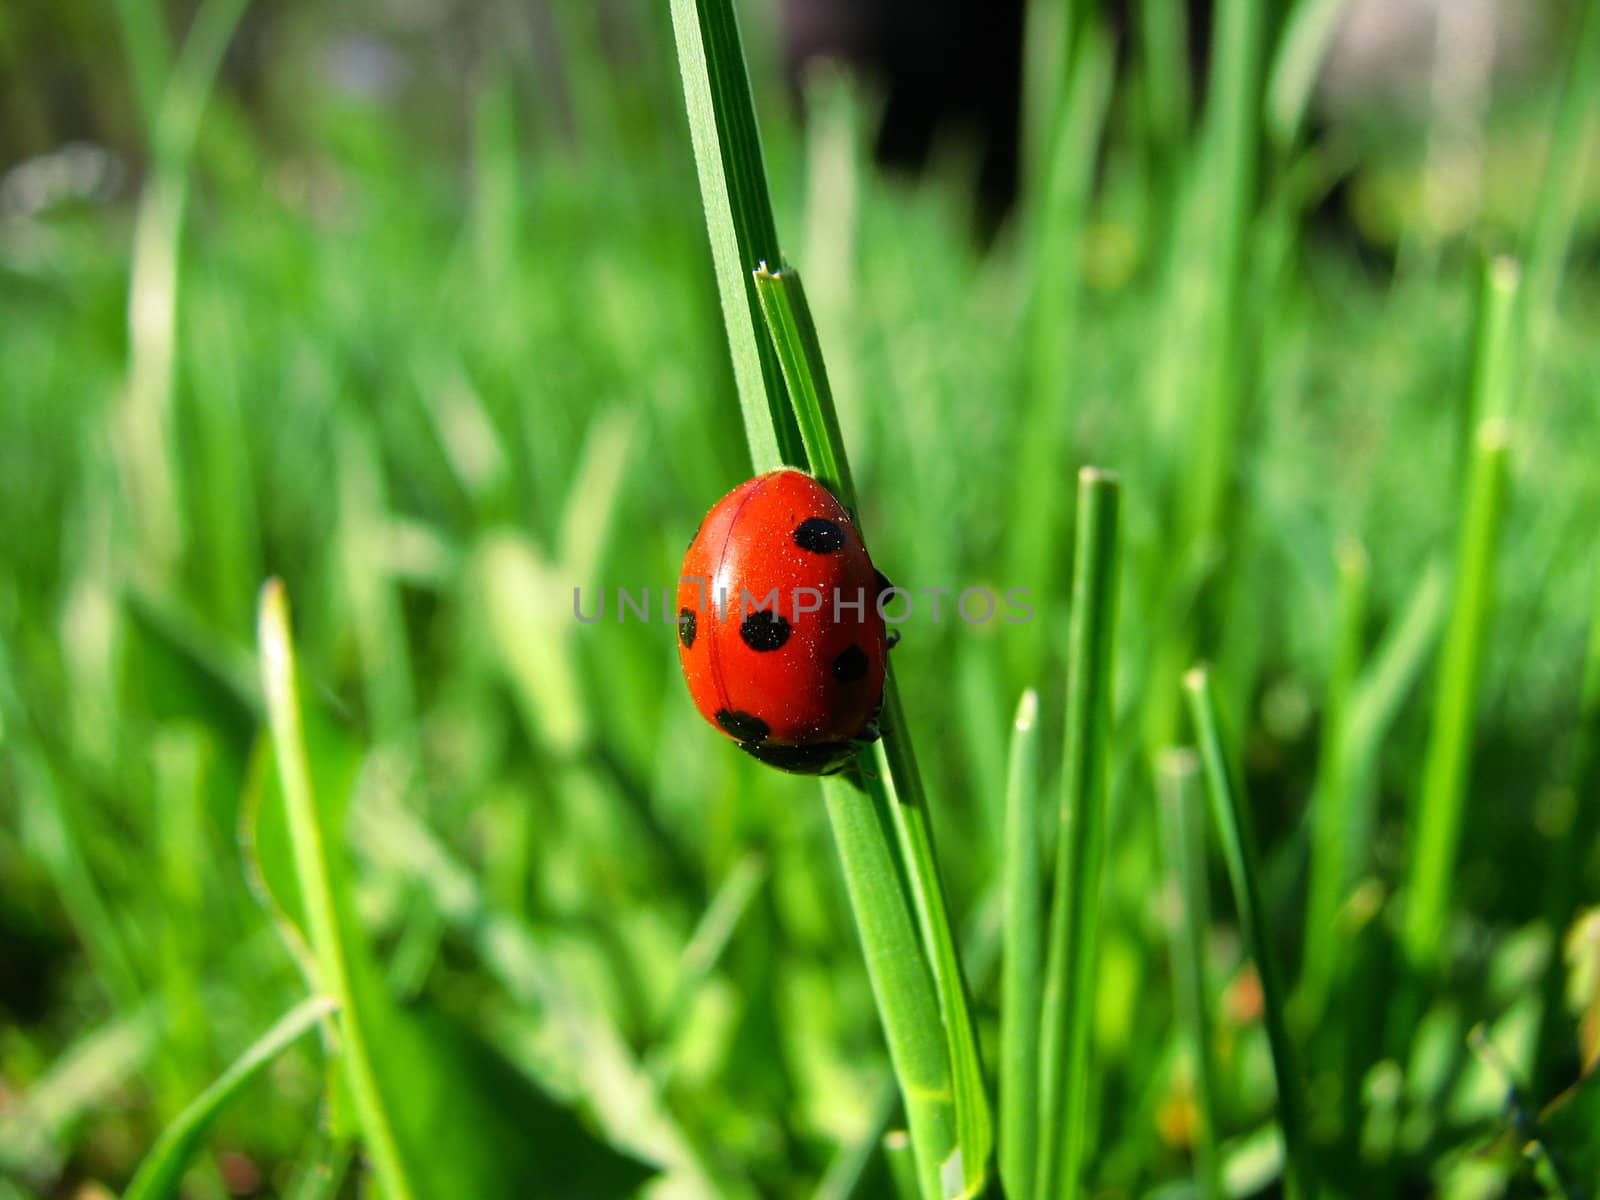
[439,352]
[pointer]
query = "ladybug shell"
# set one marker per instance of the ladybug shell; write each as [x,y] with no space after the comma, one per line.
[795,688]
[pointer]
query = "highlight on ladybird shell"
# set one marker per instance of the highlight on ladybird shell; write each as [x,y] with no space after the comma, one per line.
[895,605]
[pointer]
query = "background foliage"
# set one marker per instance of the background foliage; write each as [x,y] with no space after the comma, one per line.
[414,310]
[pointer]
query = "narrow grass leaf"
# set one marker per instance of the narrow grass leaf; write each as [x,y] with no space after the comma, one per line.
[315,875]
[733,188]
[894,772]
[1332,794]
[1442,800]
[1068,998]
[1236,830]
[1178,794]
[909,808]
[1308,35]
[161,1172]
[1020,967]
[147,421]
[1051,326]
[794,333]
[902,984]
[1560,192]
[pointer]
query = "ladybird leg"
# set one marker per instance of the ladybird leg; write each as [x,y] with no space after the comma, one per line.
[894,639]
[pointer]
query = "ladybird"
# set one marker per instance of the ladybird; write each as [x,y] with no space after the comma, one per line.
[779,632]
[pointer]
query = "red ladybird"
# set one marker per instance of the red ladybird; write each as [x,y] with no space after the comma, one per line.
[778,626]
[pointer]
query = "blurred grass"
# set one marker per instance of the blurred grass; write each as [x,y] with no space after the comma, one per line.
[443,352]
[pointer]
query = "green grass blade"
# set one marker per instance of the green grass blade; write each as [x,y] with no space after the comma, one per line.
[161,1172]
[1068,998]
[1052,328]
[895,772]
[1381,693]
[1019,986]
[909,808]
[902,984]
[1307,37]
[314,875]
[143,26]
[1496,354]
[1236,829]
[1162,32]
[1183,841]
[733,187]
[702,953]
[794,333]
[1332,794]
[1442,800]
[1560,194]
[1222,196]
[148,420]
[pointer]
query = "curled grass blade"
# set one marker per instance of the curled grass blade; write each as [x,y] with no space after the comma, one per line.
[162,1170]
[1236,830]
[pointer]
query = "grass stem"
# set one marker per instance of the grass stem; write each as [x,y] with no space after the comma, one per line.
[1442,801]
[1236,829]
[1183,840]
[1068,998]
[314,873]
[1019,985]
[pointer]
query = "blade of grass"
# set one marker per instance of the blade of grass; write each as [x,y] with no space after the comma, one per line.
[1442,800]
[902,984]
[700,956]
[147,420]
[1560,194]
[161,1172]
[1307,37]
[1183,839]
[733,187]
[1495,361]
[143,27]
[895,774]
[1236,830]
[315,877]
[897,770]
[1222,191]
[1051,330]
[1382,691]
[1019,985]
[891,894]
[1330,817]
[794,333]
[617,1088]
[1068,998]
[1162,31]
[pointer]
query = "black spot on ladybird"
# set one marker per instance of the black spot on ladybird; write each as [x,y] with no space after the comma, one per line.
[747,727]
[764,630]
[818,535]
[817,758]
[883,583]
[686,627]
[851,665]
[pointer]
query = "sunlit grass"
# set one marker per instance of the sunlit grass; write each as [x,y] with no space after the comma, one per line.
[435,364]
